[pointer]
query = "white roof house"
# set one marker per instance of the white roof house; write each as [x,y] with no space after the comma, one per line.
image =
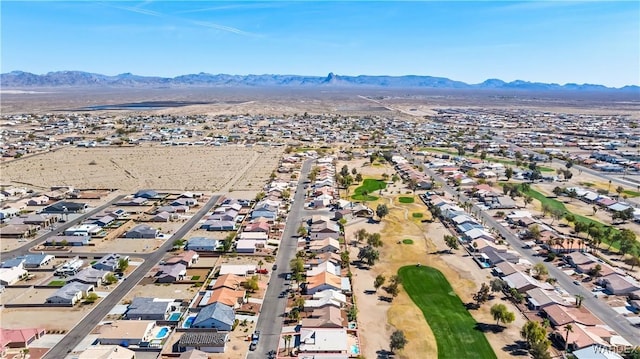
[9,276]
[321,340]
[326,266]
[237,269]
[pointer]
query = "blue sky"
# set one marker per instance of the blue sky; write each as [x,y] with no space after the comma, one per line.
[544,41]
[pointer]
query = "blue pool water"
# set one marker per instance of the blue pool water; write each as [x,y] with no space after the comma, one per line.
[355,349]
[162,333]
[187,323]
[485,264]
[174,316]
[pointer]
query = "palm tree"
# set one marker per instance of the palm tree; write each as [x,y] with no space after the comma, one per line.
[260,264]
[579,299]
[568,329]
[287,341]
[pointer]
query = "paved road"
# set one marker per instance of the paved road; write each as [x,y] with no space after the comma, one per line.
[24,249]
[604,175]
[615,181]
[75,335]
[596,306]
[270,321]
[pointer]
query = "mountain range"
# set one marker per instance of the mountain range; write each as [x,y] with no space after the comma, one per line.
[20,79]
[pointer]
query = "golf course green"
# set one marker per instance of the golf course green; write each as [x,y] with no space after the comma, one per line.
[451,323]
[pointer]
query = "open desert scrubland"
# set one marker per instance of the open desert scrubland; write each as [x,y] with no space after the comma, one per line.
[158,167]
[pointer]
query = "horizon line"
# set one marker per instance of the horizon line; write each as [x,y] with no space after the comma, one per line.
[324,76]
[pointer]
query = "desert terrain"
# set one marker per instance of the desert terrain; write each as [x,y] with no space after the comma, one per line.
[157,167]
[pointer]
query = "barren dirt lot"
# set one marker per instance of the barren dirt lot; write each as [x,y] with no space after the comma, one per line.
[124,245]
[48,318]
[173,291]
[157,167]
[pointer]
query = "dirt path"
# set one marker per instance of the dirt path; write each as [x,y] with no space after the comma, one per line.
[239,174]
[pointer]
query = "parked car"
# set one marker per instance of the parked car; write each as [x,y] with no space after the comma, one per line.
[253,346]
[255,336]
[576,282]
[275,266]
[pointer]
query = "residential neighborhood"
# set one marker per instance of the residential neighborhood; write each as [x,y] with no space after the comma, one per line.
[275,264]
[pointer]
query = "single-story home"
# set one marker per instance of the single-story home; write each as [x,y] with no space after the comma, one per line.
[68,240]
[215,316]
[171,273]
[523,282]
[110,262]
[324,245]
[323,281]
[325,317]
[89,276]
[19,338]
[147,193]
[209,342]
[10,276]
[29,261]
[65,207]
[107,352]
[83,230]
[70,294]
[219,225]
[126,332]
[618,284]
[203,244]
[323,340]
[143,308]
[142,231]
[187,258]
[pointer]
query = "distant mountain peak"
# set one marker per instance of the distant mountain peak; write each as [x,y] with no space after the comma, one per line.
[21,79]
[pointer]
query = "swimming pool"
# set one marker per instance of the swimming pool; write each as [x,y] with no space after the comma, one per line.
[162,333]
[353,325]
[355,349]
[187,323]
[174,317]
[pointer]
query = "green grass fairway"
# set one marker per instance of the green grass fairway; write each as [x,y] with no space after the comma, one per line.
[407,241]
[557,205]
[417,215]
[631,193]
[370,186]
[451,323]
[406,199]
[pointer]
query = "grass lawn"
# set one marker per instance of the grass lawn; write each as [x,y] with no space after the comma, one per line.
[488,158]
[195,277]
[557,205]
[57,283]
[406,199]
[369,186]
[451,323]
[407,241]
[304,149]
[631,193]
[417,215]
